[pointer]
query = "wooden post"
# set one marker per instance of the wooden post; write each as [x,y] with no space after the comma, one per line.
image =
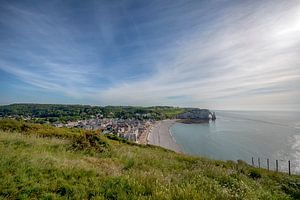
[276,165]
[268,165]
[252,161]
[289,167]
[258,159]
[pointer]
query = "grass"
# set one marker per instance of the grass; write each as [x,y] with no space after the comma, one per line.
[88,166]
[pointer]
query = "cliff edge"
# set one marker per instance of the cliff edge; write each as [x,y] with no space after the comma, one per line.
[196,115]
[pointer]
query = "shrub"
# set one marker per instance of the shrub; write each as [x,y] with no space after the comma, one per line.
[10,125]
[90,141]
[254,173]
[291,187]
[116,138]
[37,129]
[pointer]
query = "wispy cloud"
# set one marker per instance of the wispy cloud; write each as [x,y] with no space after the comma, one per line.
[217,54]
[252,47]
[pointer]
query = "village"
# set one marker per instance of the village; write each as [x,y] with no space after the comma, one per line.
[134,130]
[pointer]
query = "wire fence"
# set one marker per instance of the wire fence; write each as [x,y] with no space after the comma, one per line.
[277,165]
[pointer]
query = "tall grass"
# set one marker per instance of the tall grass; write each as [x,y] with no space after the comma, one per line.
[38,129]
[89,166]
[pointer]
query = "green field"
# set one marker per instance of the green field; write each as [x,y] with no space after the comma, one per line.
[42,162]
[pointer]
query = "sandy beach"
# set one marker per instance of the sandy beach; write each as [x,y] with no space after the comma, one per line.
[160,135]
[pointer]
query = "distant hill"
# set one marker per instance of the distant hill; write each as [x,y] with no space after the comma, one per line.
[63,113]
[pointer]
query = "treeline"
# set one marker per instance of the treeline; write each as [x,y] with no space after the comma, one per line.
[42,113]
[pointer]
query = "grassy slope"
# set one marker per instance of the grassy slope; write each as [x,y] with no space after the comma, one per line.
[35,167]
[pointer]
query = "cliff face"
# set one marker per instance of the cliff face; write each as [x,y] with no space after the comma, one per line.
[197,114]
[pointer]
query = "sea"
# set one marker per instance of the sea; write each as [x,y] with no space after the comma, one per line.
[245,135]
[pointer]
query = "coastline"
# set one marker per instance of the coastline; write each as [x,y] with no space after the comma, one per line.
[160,135]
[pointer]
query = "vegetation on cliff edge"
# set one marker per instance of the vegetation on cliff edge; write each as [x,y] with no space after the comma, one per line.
[39,162]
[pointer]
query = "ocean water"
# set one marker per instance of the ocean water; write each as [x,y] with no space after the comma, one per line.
[243,135]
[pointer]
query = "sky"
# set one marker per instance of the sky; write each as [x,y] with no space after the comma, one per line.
[216,54]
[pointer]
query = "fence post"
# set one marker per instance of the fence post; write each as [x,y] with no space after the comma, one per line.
[252,161]
[276,165]
[268,164]
[258,162]
[289,167]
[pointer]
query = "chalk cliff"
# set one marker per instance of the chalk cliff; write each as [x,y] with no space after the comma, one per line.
[197,115]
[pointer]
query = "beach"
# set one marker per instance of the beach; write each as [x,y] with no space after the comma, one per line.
[160,136]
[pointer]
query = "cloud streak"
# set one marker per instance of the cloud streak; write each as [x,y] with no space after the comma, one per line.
[217,54]
[259,52]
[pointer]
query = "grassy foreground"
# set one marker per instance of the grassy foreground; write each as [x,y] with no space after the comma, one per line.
[41,162]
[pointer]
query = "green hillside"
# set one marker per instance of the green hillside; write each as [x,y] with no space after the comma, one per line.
[42,162]
[42,113]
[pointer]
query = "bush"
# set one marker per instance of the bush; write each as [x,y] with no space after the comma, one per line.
[291,187]
[255,174]
[37,129]
[10,125]
[90,141]
[116,138]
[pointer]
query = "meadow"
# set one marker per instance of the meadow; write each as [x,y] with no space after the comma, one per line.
[43,162]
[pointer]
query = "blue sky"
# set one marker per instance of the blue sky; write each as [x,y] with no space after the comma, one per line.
[241,55]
